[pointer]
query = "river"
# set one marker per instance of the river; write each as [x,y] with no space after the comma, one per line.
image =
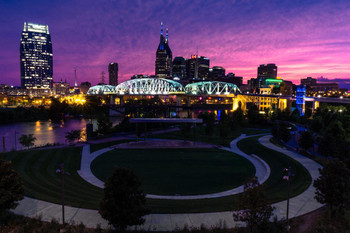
[44,131]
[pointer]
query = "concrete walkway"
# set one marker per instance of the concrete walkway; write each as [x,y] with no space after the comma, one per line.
[299,205]
[305,202]
[261,167]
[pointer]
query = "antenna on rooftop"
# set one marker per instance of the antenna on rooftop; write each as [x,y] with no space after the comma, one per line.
[103,77]
[75,77]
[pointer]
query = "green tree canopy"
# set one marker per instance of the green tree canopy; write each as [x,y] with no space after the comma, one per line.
[11,187]
[333,186]
[123,203]
[281,131]
[306,140]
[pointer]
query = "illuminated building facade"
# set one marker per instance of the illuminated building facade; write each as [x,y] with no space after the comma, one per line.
[300,99]
[60,88]
[113,73]
[164,57]
[36,57]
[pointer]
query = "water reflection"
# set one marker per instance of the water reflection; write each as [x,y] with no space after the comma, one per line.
[44,131]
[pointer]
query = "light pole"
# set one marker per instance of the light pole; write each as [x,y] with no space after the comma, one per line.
[16,139]
[287,177]
[62,172]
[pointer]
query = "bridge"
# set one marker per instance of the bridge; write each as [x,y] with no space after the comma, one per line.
[206,93]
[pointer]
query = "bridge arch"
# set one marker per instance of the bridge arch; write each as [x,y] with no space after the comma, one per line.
[150,86]
[101,90]
[211,88]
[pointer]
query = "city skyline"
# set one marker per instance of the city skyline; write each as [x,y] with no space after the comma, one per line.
[300,38]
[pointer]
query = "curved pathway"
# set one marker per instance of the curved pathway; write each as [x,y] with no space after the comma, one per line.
[305,202]
[299,205]
[261,167]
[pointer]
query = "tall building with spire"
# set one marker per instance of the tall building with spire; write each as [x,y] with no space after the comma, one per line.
[164,56]
[36,57]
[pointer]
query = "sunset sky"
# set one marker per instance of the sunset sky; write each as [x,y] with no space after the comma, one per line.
[303,38]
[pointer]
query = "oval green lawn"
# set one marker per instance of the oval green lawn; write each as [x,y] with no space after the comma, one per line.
[178,171]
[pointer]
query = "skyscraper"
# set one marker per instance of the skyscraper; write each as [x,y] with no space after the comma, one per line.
[164,56]
[198,67]
[36,57]
[179,68]
[267,71]
[217,72]
[113,73]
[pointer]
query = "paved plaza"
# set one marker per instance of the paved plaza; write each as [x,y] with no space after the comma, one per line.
[299,205]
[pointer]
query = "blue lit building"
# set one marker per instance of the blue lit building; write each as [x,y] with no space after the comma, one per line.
[300,99]
[36,57]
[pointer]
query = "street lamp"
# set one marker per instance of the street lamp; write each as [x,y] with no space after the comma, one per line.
[62,172]
[287,177]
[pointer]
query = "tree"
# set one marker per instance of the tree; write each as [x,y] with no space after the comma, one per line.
[306,141]
[208,120]
[253,114]
[333,143]
[104,124]
[280,131]
[123,203]
[255,209]
[333,186]
[73,135]
[27,140]
[11,187]
[224,130]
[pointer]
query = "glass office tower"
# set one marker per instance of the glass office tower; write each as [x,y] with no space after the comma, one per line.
[36,57]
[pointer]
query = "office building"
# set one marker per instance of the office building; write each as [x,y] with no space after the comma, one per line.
[60,88]
[309,81]
[36,57]
[198,68]
[217,73]
[164,57]
[232,78]
[267,71]
[113,73]
[84,87]
[179,68]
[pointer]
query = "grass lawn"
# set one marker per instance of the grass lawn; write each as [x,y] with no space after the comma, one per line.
[198,134]
[275,185]
[99,146]
[178,171]
[37,169]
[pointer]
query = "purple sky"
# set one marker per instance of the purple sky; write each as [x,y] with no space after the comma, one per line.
[304,38]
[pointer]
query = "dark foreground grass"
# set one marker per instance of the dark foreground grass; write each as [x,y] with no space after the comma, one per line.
[178,171]
[37,169]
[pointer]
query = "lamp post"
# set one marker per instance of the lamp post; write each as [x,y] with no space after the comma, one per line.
[287,177]
[16,139]
[62,172]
